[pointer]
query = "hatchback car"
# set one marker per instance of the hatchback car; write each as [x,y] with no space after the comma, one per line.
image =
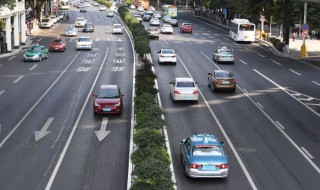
[84,42]
[167,56]
[173,22]
[36,53]
[80,22]
[117,29]
[110,13]
[88,27]
[153,32]
[154,22]
[202,156]
[108,100]
[166,28]
[223,55]
[184,89]
[71,31]
[58,44]
[221,79]
[186,28]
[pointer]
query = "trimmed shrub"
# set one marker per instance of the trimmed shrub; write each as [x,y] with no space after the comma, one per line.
[105,2]
[142,47]
[143,101]
[142,185]
[142,154]
[147,138]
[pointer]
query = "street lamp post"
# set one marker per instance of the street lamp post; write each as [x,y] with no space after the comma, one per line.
[303,50]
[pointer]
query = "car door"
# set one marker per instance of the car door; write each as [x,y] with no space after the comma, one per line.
[186,151]
[172,87]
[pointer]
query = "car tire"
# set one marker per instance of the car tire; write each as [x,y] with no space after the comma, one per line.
[47,56]
[40,59]
[174,63]
[233,90]
[213,88]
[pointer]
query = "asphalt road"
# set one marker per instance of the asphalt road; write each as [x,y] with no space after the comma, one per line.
[55,94]
[270,125]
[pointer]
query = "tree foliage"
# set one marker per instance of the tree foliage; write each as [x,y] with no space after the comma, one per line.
[9,3]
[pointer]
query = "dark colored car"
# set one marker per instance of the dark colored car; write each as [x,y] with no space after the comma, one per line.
[88,27]
[221,79]
[108,100]
[174,22]
[186,28]
[58,44]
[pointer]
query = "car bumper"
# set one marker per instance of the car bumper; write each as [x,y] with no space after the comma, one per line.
[195,173]
[167,60]
[225,87]
[185,97]
[32,58]
[113,110]
[117,32]
[226,60]
[84,46]
[187,31]
[168,31]
[57,49]
[109,15]
[70,34]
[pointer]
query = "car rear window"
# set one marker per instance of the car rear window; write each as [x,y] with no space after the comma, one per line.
[224,74]
[84,39]
[45,20]
[185,84]
[187,25]
[167,51]
[207,151]
[57,41]
[108,93]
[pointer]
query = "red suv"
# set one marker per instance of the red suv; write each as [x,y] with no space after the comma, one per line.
[186,27]
[108,100]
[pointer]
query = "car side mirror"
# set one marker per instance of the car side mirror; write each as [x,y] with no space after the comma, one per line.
[209,74]
[222,143]
[170,82]
[159,51]
[122,94]
[181,142]
[94,95]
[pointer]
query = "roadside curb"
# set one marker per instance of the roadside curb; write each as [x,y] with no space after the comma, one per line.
[16,51]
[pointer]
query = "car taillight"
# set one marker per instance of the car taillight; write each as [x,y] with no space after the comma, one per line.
[222,166]
[232,81]
[118,104]
[161,55]
[173,56]
[196,92]
[195,166]
[218,81]
[176,92]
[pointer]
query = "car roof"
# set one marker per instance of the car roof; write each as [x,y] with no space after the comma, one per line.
[185,79]
[204,139]
[222,71]
[84,36]
[108,87]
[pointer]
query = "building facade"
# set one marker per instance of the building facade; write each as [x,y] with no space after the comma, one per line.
[16,16]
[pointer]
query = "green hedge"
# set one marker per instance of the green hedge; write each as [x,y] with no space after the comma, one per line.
[104,2]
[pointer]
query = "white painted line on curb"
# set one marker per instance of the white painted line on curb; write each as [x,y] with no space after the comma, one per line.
[261,55]
[18,79]
[295,72]
[276,62]
[307,152]
[280,125]
[75,126]
[243,62]
[1,92]
[314,82]
[34,66]
[12,57]
[243,167]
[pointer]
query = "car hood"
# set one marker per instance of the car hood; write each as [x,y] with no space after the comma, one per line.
[107,100]
[32,53]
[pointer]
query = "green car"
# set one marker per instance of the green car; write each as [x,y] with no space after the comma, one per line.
[36,53]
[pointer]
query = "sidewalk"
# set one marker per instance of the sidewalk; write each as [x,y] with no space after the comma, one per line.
[16,51]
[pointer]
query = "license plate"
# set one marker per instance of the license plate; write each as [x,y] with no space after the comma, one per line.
[209,167]
[186,97]
[106,109]
[56,48]
[225,82]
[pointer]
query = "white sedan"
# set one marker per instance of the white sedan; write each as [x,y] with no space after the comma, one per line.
[84,42]
[102,8]
[167,56]
[155,22]
[80,22]
[184,89]
[166,28]
[117,29]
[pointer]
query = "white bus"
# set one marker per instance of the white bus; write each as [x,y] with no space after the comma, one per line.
[242,30]
[64,4]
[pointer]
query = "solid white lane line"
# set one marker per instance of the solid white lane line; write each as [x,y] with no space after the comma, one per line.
[38,101]
[247,49]
[1,92]
[18,79]
[189,42]
[276,62]
[261,55]
[243,62]
[66,146]
[258,103]
[295,72]
[12,57]
[243,167]
[314,82]
[280,125]
[285,134]
[307,152]
[166,42]
[34,66]
[245,91]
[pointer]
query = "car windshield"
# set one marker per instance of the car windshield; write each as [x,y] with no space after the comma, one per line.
[88,25]
[45,20]
[187,25]
[84,39]
[108,93]
[185,84]
[167,51]
[207,150]
[57,41]
[80,19]
[224,75]
[35,49]
[116,26]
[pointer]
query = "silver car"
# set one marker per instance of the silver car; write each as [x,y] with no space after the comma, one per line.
[71,31]
[223,55]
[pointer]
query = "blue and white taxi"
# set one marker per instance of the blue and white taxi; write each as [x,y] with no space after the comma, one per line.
[203,157]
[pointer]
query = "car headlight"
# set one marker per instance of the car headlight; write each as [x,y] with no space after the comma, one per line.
[118,104]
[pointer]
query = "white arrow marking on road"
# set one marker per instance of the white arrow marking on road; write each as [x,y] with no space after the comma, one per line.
[40,134]
[103,133]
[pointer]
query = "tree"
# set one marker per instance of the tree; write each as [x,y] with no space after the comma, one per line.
[36,7]
[9,3]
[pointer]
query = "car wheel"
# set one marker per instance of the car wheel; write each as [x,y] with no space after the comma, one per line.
[47,56]
[213,88]
[174,63]
[233,90]
[40,59]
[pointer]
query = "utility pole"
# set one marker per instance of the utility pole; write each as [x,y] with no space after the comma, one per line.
[303,50]
[287,19]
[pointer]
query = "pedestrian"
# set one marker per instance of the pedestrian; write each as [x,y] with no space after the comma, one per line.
[67,17]
[313,34]
[293,36]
